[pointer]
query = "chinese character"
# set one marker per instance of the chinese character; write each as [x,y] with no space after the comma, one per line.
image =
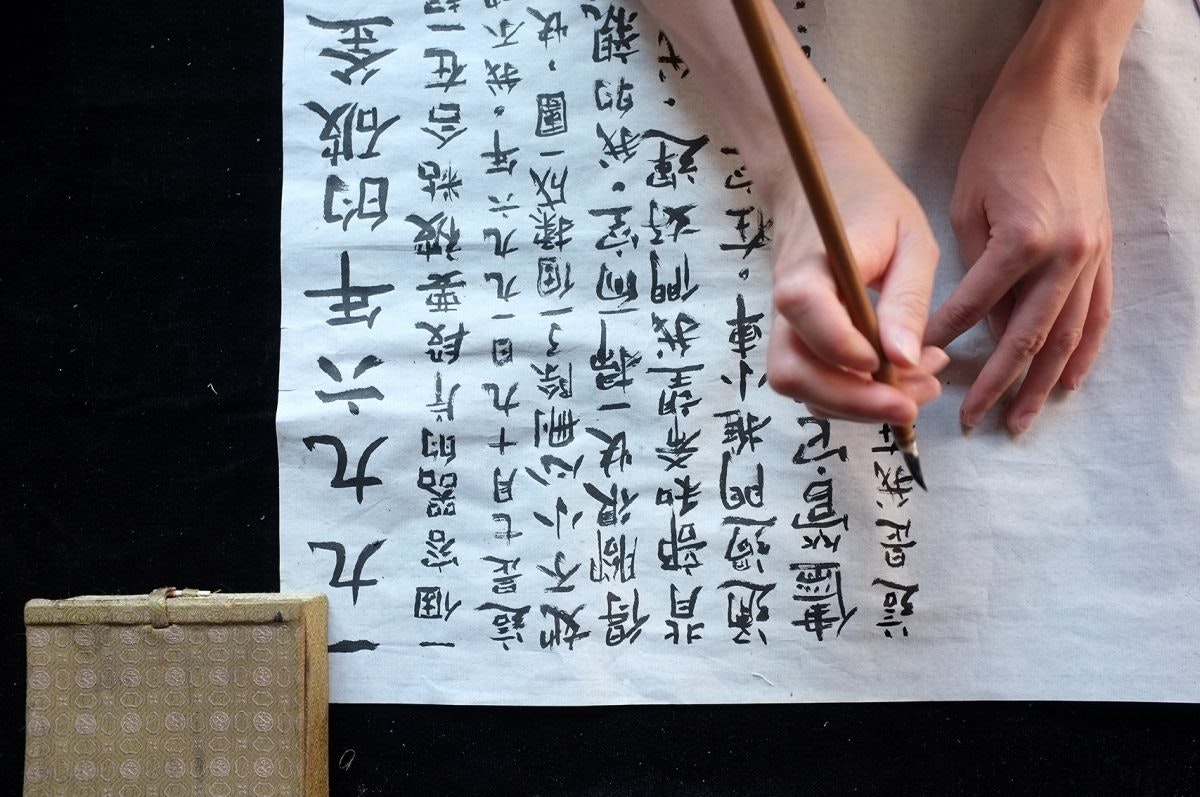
[372,201]
[360,480]
[551,115]
[505,580]
[550,230]
[746,546]
[339,551]
[439,180]
[566,629]
[614,560]
[607,98]
[357,54]
[551,26]
[671,59]
[615,451]
[431,233]
[441,295]
[447,116]
[683,609]
[507,622]
[619,233]
[819,591]
[501,76]
[613,37]
[441,489]
[820,439]
[612,370]
[354,394]
[559,575]
[500,160]
[897,604]
[352,298]
[744,608]
[668,166]
[621,149]
[448,70]
[438,550]
[748,243]
[342,123]
[624,624]
[431,603]
[679,549]
[679,289]
[677,337]
[504,32]
[442,348]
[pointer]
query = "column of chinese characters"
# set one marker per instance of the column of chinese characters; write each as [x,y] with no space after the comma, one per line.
[349,131]
[616,360]
[507,557]
[893,483]
[444,330]
[742,487]
[676,329]
[818,586]
[531,186]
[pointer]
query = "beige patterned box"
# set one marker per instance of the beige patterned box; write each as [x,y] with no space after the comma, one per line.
[177,694]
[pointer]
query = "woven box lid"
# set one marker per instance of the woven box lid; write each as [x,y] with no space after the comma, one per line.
[177,693]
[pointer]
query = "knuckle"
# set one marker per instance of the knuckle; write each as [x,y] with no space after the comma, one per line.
[1067,341]
[1026,343]
[1033,239]
[795,297]
[784,382]
[1101,315]
[1079,242]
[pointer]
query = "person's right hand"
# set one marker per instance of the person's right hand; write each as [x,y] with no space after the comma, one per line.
[815,353]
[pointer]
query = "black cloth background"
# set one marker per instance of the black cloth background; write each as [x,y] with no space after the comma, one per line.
[139,319]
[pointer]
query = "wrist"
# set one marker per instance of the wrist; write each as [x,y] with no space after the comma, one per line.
[1071,52]
[721,62]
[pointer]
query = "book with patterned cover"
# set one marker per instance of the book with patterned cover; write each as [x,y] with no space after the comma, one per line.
[176,694]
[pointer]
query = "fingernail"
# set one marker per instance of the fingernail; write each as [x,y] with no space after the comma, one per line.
[969,420]
[908,346]
[1025,421]
[1072,382]
[899,416]
[942,360]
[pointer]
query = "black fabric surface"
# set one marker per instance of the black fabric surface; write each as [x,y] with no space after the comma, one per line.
[139,317]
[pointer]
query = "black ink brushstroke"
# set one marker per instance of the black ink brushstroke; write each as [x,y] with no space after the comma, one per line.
[352,646]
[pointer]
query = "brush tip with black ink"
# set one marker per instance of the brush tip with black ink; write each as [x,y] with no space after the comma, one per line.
[913,460]
[906,442]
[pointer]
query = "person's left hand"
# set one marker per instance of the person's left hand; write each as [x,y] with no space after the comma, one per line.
[1030,210]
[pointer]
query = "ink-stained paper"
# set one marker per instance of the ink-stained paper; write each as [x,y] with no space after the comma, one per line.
[526,440]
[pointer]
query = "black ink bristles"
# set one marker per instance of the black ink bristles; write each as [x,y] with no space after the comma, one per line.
[914,467]
[804,156]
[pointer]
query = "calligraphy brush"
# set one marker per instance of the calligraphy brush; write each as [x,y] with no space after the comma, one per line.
[820,199]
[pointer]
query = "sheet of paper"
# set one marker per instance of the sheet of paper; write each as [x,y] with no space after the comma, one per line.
[525,439]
